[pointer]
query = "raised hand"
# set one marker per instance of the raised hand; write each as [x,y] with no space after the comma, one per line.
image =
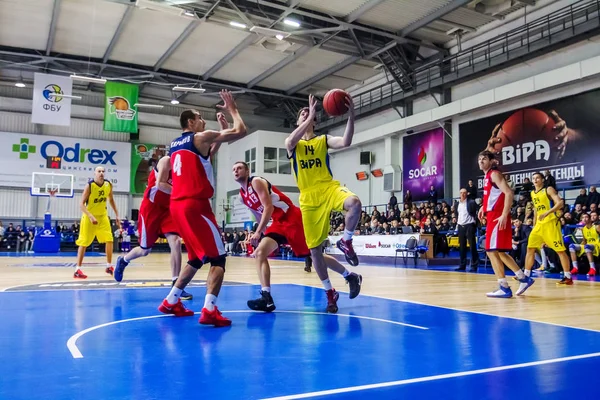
[312,107]
[228,101]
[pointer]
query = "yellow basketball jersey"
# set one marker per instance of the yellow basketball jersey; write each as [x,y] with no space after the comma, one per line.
[310,163]
[542,203]
[590,235]
[96,203]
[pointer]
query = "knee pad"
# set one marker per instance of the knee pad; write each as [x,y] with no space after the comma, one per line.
[218,261]
[197,264]
[588,248]
[572,248]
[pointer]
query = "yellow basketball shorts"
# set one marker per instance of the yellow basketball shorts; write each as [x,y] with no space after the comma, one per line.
[89,231]
[316,206]
[547,233]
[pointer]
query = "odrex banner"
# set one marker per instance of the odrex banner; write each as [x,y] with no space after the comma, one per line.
[560,136]
[22,154]
[120,110]
[423,164]
[49,106]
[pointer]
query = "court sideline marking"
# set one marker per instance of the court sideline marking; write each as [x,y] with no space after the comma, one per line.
[430,378]
[76,353]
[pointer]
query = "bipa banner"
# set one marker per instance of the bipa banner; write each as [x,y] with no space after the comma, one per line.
[49,106]
[22,154]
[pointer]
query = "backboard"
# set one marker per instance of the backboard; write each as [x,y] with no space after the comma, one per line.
[42,183]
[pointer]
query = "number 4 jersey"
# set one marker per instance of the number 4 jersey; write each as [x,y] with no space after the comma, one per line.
[192,172]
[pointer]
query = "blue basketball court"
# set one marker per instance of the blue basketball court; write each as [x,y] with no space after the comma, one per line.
[114,344]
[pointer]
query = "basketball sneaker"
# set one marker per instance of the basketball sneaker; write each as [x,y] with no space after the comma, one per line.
[177,309]
[263,303]
[79,274]
[592,272]
[354,282]
[345,246]
[574,271]
[524,285]
[332,298]
[565,281]
[308,264]
[213,317]
[119,269]
[502,293]
[110,270]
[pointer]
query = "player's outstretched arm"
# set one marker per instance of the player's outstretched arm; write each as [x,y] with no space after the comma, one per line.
[222,120]
[111,200]
[292,140]
[499,180]
[238,130]
[336,142]
[83,204]
[162,177]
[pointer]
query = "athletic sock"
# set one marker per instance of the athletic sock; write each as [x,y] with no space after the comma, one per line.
[592,265]
[503,282]
[347,235]
[527,273]
[519,274]
[210,301]
[345,273]
[568,275]
[327,284]
[174,295]
[174,278]
[266,289]
[108,265]
[125,258]
[576,264]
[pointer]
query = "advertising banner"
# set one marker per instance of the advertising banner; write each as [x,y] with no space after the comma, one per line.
[48,106]
[238,212]
[144,157]
[373,245]
[21,154]
[423,163]
[557,135]
[120,113]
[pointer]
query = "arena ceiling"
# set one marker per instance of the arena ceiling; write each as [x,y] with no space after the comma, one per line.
[271,52]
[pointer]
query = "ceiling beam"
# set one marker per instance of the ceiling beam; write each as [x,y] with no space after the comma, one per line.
[356,42]
[176,78]
[354,15]
[528,2]
[346,25]
[117,33]
[280,65]
[229,56]
[184,35]
[240,14]
[429,18]
[52,31]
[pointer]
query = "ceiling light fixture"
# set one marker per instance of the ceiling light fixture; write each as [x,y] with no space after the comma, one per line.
[20,84]
[148,105]
[291,22]
[237,24]
[279,36]
[188,89]
[189,14]
[90,79]
[174,101]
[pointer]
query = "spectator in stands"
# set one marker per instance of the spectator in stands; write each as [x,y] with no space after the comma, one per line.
[527,188]
[22,242]
[386,229]
[429,228]
[594,217]
[364,218]
[520,237]
[549,180]
[1,233]
[582,199]
[393,201]
[577,213]
[445,225]
[509,182]
[407,225]
[433,195]
[568,217]
[467,230]
[593,207]
[471,190]
[10,236]
[229,243]
[520,214]
[593,197]
[408,200]
[395,229]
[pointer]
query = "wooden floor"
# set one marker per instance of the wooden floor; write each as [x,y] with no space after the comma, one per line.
[575,306]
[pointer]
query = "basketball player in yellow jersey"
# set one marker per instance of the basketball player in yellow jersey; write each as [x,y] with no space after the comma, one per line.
[546,229]
[94,221]
[320,194]
[590,245]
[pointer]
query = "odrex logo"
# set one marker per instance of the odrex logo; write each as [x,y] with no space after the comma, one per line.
[24,149]
[422,156]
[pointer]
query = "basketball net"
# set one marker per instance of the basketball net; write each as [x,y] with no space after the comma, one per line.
[51,196]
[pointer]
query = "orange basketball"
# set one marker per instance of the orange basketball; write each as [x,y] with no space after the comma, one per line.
[334,102]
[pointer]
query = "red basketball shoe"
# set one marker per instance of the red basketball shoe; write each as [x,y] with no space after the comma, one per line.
[177,309]
[79,274]
[213,317]
[332,298]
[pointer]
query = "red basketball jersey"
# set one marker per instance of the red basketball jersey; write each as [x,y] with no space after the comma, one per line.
[281,203]
[192,173]
[152,192]
[493,198]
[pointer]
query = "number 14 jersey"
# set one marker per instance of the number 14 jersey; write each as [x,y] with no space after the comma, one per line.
[192,172]
[310,163]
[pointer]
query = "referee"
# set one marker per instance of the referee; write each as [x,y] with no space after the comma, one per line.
[466,224]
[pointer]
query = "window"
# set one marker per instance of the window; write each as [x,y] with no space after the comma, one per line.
[276,161]
[250,158]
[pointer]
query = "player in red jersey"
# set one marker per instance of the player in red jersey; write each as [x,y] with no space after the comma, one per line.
[193,186]
[155,221]
[267,202]
[497,201]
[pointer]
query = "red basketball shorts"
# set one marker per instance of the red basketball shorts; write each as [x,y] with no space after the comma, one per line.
[154,221]
[290,228]
[198,228]
[497,239]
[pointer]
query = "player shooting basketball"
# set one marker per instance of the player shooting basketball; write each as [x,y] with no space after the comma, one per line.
[94,221]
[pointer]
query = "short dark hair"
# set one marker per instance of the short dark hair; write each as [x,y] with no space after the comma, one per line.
[538,173]
[187,115]
[245,164]
[486,153]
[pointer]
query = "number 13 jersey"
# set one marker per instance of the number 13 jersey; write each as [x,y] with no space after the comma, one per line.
[192,173]
[310,163]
